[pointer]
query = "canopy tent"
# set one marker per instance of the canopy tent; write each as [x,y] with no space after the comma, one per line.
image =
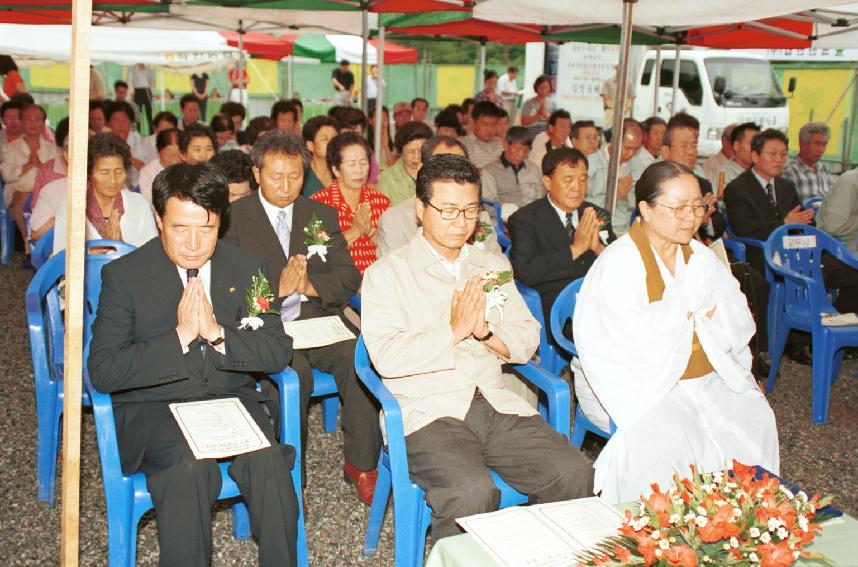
[458,25]
[348,47]
[160,48]
[259,45]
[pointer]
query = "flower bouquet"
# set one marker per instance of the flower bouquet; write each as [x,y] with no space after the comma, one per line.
[482,231]
[492,283]
[317,238]
[722,518]
[258,299]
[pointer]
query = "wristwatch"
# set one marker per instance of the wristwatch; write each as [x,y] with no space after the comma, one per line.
[219,340]
[489,335]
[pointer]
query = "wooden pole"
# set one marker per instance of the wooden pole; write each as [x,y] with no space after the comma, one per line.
[78,138]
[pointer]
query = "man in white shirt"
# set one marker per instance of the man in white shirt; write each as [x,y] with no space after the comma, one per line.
[556,136]
[714,163]
[143,82]
[806,170]
[508,88]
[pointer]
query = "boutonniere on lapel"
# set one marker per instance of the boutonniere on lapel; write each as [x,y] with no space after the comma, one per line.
[259,299]
[492,283]
[603,218]
[482,231]
[317,238]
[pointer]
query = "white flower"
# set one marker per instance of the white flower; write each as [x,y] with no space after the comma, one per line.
[774,523]
[674,519]
[251,323]
[754,531]
[802,496]
[688,517]
[658,553]
[765,537]
[787,491]
[718,476]
[319,250]
[753,557]
[726,547]
[656,534]
[795,554]
[734,543]
[664,544]
[701,521]
[782,533]
[803,523]
[701,511]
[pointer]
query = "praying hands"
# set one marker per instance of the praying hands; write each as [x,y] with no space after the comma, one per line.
[195,314]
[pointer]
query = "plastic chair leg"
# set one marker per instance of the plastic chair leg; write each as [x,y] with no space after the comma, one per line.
[330,408]
[838,362]
[240,520]
[48,439]
[406,522]
[822,361]
[777,340]
[377,511]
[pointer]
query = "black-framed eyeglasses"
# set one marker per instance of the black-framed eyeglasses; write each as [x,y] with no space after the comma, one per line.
[452,213]
[681,211]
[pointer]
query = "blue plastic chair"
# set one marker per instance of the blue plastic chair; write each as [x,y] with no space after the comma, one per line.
[802,301]
[92,277]
[128,498]
[814,203]
[325,389]
[562,312]
[632,216]
[46,335]
[549,358]
[500,230]
[411,514]
[43,249]
[7,232]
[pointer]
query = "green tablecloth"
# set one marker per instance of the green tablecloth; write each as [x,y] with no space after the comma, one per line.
[838,542]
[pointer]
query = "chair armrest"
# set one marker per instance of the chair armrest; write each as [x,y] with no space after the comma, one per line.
[354,302]
[290,408]
[737,248]
[556,393]
[845,255]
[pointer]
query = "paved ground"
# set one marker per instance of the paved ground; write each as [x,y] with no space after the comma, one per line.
[816,457]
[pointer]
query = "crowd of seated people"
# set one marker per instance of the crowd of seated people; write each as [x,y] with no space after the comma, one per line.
[407,230]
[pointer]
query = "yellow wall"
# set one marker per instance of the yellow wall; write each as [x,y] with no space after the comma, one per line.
[816,94]
[455,84]
[55,76]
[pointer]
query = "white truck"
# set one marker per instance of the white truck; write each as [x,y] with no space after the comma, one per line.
[717,87]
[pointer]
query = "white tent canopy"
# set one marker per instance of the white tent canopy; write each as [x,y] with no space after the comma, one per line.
[262,20]
[161,48]
[646,12]
[349,47]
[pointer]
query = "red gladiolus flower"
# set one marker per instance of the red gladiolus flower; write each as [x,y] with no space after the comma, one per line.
[622,554]
[681,555]
[772,555]
[743,472]
[660,503]
[719,527]
[646,547]
[262,303]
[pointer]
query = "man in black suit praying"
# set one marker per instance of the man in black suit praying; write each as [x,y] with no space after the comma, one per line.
[167,330]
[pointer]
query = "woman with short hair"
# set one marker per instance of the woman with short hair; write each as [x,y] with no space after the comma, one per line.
[358,204]
[662,331]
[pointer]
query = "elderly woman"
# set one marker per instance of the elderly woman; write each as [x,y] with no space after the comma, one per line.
[358,204]
[112,211]
[662,331]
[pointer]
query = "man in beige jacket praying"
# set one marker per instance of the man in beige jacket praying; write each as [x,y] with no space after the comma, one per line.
[439,319]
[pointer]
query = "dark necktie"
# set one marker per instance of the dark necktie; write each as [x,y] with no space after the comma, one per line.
[770,190]
[192,273]
[570,230]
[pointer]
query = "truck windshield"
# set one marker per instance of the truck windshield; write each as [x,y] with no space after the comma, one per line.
[749,82]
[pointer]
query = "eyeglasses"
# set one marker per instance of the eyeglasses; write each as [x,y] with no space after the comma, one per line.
[452,213]
[682,211]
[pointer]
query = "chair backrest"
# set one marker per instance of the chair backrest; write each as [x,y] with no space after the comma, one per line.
[562,311]
[632,216]
[43,249]
[92,282]
[43,318]
[798,248]
[814,203]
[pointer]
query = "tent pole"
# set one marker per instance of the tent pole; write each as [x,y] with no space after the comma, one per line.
[363,66]
[241,94]
[619,106]
[162,78]
[290,70]
[676,63]
[76,207]
[482,73]
[379,99]
[656,85]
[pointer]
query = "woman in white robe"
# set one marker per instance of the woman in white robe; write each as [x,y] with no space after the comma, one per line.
[662,331]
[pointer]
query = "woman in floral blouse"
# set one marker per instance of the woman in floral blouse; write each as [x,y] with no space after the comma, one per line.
[358,204]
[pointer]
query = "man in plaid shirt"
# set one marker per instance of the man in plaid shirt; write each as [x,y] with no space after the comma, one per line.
[810,175]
